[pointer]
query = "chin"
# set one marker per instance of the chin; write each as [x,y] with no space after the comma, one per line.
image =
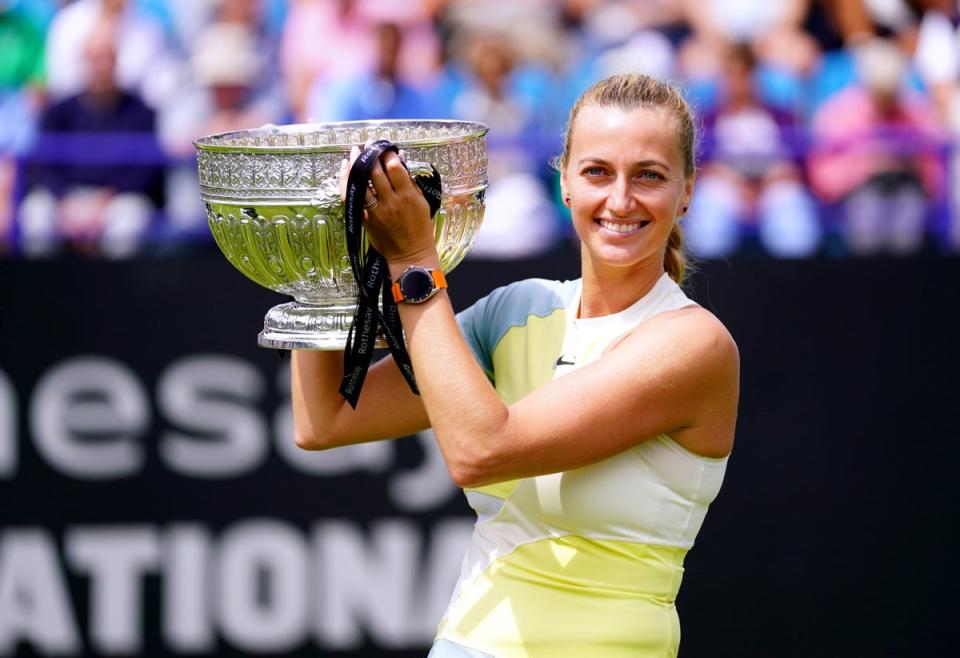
[623,257]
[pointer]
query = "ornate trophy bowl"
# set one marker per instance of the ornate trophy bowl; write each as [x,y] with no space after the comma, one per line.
[273,205]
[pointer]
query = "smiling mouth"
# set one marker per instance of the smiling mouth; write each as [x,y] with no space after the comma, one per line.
[622,227]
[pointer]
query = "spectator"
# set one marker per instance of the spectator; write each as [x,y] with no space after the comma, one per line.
[21,83]
[876,154]
[610,37]
[839,28]
[381,94]
[326,42]
[101,179]
[750,174]
[773,31]
[938,62]
[227,67]
[144,62]
[519,219]
[605,22]
[247,17]
[938,54]
[532,27]
[187,19]
[22,39]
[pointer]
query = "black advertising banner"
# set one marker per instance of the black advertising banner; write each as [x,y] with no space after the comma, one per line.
[152,501]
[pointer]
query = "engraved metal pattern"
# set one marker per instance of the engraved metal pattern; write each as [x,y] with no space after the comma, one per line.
[273,208]
[289,162]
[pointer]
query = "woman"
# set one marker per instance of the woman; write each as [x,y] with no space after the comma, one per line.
[589,421]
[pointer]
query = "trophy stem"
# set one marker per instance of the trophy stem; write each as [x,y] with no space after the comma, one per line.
[296,326]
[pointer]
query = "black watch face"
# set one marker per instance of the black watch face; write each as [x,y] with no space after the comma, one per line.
[416,285]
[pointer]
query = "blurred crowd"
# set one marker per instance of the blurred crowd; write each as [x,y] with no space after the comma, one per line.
[828,125]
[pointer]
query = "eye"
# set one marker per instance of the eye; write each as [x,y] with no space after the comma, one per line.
[593,171]
[651,175]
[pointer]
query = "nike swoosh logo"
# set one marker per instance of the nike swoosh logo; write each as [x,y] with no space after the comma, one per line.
[561,362]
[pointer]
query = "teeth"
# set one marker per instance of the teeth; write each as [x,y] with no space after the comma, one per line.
[620,228]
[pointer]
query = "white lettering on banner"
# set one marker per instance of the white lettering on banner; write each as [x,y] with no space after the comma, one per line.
[426,487]
[8,428]
[373,582]
[375,456]
[34,604]
[448,544]
[429,485]
[215,397]
[366,583]
[88,416]
[187,584]
[88,398]
[116,558]
[262,586]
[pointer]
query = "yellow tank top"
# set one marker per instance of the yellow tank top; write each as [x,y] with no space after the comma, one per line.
[585,562]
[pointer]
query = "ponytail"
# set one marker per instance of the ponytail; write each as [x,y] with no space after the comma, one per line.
[675,261]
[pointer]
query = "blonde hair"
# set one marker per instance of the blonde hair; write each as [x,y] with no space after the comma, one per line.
[629,92]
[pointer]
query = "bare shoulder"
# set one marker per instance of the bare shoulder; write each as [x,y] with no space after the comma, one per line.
[693,354]
[692,334]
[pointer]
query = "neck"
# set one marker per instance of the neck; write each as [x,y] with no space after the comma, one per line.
[608,291]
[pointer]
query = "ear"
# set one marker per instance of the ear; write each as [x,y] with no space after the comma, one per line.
[564,193]
[687,195]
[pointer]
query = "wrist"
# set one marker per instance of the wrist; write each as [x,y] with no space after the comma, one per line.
[427,258]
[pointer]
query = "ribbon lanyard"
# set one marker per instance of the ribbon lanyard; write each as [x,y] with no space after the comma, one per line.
[373,281]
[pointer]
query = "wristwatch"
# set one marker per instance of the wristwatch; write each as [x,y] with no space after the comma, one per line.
[418,284]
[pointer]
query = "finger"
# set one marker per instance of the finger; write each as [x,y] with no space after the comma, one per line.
[342,178]
[345,168]
[371,202]
[396,171]
[381,183]
[354,154]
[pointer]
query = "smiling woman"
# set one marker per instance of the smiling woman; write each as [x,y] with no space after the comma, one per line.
[588,421]
[634,152]
[625,184]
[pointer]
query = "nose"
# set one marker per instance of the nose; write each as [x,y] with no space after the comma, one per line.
[621,200]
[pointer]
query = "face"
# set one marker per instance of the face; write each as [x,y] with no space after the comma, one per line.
[625,180]
[101,59]
[738,78]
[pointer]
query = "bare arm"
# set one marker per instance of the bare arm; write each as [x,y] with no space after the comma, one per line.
[677,374]
[321,417]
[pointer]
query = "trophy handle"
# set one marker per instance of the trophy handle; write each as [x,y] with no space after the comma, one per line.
[327,196]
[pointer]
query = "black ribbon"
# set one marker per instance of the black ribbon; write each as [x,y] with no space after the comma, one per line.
[373,280]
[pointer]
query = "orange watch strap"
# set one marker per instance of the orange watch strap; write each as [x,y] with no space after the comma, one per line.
[439,281]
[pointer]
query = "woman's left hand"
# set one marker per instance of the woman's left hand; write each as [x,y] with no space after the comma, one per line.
[398,223]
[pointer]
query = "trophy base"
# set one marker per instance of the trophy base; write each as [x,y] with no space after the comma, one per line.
[296,326]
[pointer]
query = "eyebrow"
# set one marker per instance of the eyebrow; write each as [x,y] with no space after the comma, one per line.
[641,163]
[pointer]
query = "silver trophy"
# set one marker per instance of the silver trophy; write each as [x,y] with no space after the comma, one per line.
[273,204]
